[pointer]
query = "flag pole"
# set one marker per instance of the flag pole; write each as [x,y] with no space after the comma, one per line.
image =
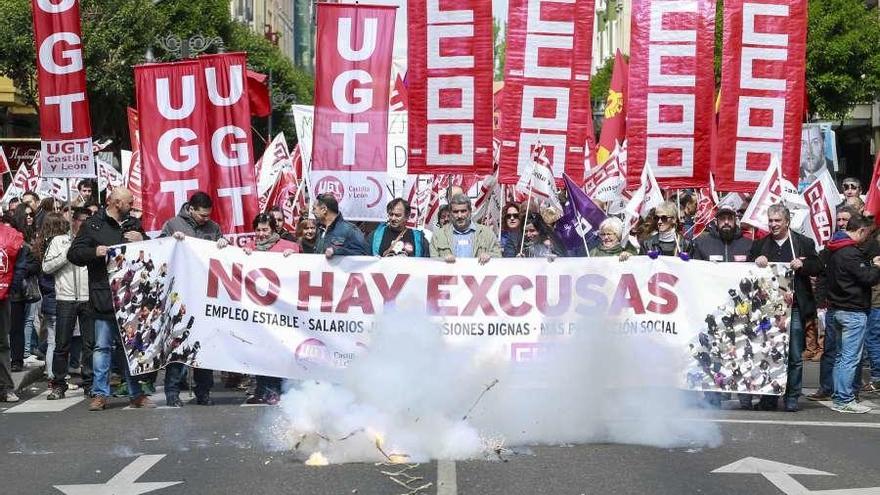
[501,212]
[522,243]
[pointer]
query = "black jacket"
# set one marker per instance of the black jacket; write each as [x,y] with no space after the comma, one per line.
[709,244]
[849,276]
[805,248]
[100,230]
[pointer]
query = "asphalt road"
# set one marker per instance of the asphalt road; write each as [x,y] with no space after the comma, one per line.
[223,449]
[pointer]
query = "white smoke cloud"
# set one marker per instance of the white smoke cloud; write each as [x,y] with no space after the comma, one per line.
[406,398]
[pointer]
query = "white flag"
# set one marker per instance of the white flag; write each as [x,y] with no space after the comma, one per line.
[275,159]
[647,196]
[772,189]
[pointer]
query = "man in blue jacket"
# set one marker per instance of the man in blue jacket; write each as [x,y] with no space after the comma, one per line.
[335,234]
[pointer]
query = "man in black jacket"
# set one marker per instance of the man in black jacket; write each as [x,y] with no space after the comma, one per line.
[850,276]
[785,246]
[394,238]
[723,242]
[109,226]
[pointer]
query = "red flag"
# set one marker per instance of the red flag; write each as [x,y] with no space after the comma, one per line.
[288,194]
[4,163]
[399,95]
[614,124]
[547,86]
[762,91]
[671,84]
[872,205]
[258,94]
[198,139]
[135,170]
[65,127]
[350,140]
[450,87]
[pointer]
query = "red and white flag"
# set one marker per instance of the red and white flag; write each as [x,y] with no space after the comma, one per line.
[671,85]
[646,197]
[4,163]
[399,99]
[773,189]
[350,133]
[707,205]
[547,86]
[762,91]
[608,181]
[65,126]
[822,198]
[275,159]
[135,169]
[288,194]
[450,72]
[198,139]
[108,177]
[538,180]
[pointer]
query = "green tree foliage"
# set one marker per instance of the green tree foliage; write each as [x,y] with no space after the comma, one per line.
[601,80]
[116,36]
[843,59]
[499,47]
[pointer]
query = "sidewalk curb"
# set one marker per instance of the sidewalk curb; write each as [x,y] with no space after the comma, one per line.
[24,378]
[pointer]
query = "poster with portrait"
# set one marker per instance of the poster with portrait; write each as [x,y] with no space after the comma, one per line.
[818,150]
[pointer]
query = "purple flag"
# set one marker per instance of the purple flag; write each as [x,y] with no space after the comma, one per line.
[580,218]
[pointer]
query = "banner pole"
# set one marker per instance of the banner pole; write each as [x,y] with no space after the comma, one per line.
[69,193]
[501,213]
[522,243]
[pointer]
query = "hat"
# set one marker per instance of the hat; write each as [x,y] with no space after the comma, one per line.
[725,208]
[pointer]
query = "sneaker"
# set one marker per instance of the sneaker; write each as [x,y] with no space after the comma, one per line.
[819,395]
[871,387]
[99,403]
[8,396]
[56,394]
[851,407]
[255,400]
[33,361]
[173,402]
[142,402]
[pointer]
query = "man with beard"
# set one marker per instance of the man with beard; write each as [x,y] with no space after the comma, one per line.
[723,241]
[393,238]
[799,252]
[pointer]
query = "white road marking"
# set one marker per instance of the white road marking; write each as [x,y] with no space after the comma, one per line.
[124,482]
[837,424]
[39,404]
[447,482]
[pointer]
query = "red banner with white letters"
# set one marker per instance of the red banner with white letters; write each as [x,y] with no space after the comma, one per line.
[450,72]
[65,128]
[762,91]
[228,116]
[547,86]
[352,86]
[198,139]
[671,84]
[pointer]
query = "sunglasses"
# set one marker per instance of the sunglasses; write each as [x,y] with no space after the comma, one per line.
[508,217]
[664,218]
[850,186]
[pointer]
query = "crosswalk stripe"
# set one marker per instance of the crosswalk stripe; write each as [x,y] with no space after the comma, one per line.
[39,404]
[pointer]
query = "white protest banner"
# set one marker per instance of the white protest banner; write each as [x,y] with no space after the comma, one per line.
[722,325]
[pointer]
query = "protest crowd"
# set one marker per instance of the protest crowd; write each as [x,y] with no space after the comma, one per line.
[59,314]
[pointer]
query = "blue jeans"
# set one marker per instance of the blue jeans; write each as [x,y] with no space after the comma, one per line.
[850,326]
[796,344]
[829,355]
[872,345]
[31,339]
[106,332]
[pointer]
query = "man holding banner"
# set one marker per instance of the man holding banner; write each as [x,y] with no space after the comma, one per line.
[462,238]
[786,246]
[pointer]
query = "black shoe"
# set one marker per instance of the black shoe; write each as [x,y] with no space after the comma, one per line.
[173,402]
[204,401]
[766,404]
[16,367]
[56,394]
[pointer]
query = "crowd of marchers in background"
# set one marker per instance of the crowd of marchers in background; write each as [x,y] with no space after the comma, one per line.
[58,310]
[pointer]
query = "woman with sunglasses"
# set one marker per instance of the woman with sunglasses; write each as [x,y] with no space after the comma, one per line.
[24,294]
[666,241]
[511,225]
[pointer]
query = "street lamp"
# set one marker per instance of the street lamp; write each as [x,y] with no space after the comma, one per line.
[180,48]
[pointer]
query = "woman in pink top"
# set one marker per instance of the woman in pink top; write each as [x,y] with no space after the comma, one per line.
[266,238]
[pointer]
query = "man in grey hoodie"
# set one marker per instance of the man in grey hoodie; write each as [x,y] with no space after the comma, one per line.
[193,220]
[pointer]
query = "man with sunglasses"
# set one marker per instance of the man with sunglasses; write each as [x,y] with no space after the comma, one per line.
[786,246]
